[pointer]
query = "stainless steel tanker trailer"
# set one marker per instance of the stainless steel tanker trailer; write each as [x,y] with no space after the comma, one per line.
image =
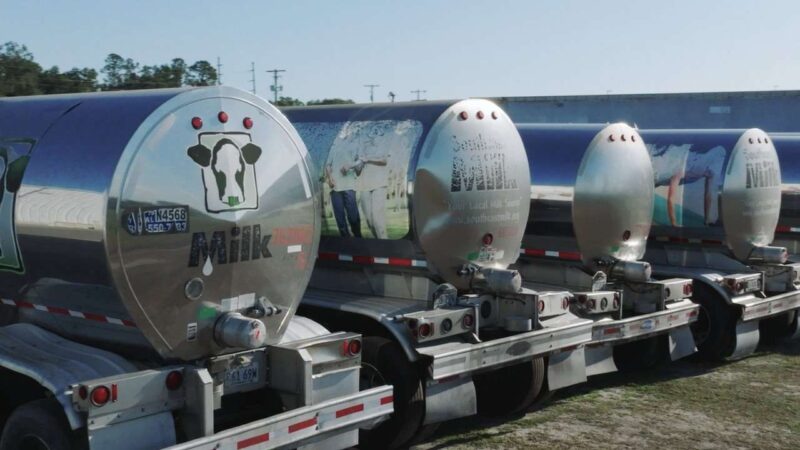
[154,247]
[426,206]
[591,206]
[717,201]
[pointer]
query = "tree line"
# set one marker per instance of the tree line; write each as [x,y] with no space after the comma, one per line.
[20,74]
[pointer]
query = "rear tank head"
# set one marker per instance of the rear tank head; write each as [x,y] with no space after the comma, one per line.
[613,203]
[471,191]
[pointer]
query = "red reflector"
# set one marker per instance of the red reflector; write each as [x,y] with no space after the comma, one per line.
[197,123]
[574,256]
[354,347]
[328,256]
[249,442]
[303,425]
[100,395]
[633,138]
[358,259]
[608,331]
[494,115]
[222,116]
[114,393]
[692,313]
[406,262]
[487,239]
[351,410]
[386,400]
[174,380]
[468,321]
[463,115]
[425,330]
[480,115]
[622,137]
[611,137]
[247,122]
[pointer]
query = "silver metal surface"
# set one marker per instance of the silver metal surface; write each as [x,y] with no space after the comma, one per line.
[450,399]
[593,182]
[120,202]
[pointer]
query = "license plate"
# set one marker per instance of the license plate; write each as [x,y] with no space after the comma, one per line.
[242,375]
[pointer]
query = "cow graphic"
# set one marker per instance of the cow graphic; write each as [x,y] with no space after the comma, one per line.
[227,163]
[12,168]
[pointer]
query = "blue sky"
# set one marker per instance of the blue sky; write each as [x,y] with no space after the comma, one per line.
[451,49]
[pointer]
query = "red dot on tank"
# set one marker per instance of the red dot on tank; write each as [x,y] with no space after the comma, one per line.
[247,122]
[197,123]
[222,116]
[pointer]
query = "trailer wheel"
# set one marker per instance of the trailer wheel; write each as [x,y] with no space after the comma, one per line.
[776,328]
[384,362]
[641,355]
[715,329]
[510,389]
[37,425]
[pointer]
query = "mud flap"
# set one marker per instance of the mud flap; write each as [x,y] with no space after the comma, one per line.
[450,400]
[599,360]
[154,431]
[795,328]
[566,368]
[746,339]
[681,343]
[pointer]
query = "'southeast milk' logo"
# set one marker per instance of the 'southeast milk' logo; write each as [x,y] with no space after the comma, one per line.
[227,163]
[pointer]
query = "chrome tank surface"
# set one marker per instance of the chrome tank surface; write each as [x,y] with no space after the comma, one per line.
[135,220]
[591,181]
[455,182]
[716,184]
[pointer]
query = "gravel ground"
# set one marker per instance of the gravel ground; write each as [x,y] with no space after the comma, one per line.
[752,403]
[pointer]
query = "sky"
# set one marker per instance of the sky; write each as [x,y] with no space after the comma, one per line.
[450,49]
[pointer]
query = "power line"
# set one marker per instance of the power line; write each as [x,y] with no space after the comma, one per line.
[253,77]
[276,88]
[371,91]
[418,92]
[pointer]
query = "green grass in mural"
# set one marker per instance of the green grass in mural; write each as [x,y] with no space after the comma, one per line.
[396,223]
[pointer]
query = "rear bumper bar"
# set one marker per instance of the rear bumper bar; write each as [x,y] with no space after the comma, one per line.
[754,308]
[453,359]
[302,425]
[617,331]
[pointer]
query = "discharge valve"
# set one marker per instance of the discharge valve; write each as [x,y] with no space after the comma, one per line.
[237,331]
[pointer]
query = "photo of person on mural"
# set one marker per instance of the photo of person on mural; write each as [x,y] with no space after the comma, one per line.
[340,176]
[682,165]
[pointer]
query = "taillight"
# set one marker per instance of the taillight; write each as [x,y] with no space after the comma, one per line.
[354,347]
[468,321]
[447,325]
[565,303]
[541,306]
[582,299]
[592,303]
[739,286]
[83,392]
[100,395]
[616,300]
[687,289]
[603,303]
[174,380]
[425,330]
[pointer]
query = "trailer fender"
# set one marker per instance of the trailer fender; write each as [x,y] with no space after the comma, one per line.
[56,363]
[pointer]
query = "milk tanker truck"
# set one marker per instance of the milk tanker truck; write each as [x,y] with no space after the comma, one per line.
[591,206]
[717,201]
[425,208]
[154,247]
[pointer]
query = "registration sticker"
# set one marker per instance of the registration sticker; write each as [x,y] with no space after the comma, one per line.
[242,375]
[156,220]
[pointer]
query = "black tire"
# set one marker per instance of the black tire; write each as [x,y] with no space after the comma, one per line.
[511,389]
[715,329]
[776,328]
[642,354]
[384,362]
[37,425]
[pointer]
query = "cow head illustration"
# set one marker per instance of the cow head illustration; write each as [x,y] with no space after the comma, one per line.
[227,163]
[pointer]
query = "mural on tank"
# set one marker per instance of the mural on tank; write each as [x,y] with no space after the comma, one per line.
[14,156]
[362,166]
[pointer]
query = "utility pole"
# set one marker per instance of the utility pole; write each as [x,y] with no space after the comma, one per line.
[253,76]
[418,91]
[219,72]
[276,88]
[371,91]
